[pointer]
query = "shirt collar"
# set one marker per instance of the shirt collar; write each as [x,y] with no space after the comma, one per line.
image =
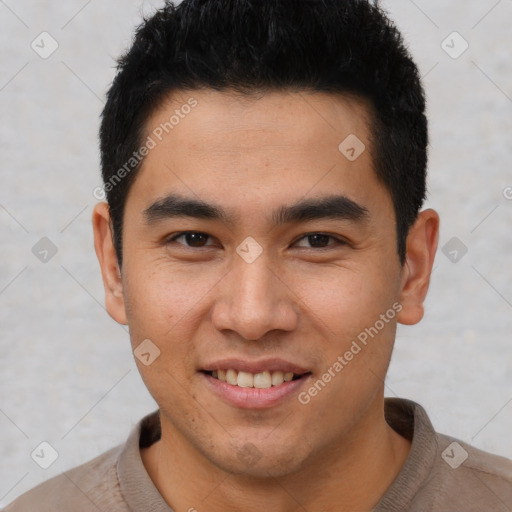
[410,420]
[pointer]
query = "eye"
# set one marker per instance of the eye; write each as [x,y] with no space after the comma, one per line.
[198,239]
[321,240]
[192,239]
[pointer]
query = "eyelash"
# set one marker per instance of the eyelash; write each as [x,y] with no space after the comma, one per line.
[338,241]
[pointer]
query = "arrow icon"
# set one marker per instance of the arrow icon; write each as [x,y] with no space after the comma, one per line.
[249,454]
[249,249]
[351,147]
[454,455]
[44,45]
[44,250]
[454,45]
[147,352]
[44,455]
[454,249]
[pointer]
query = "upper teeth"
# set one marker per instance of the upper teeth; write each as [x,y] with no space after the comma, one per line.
[252,380]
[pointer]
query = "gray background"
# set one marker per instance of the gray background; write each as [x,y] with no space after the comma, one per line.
[67,375]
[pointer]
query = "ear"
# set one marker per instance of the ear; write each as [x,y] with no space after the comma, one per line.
[421,248]
[110,272]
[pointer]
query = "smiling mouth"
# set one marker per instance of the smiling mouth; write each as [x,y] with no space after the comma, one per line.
[261,380]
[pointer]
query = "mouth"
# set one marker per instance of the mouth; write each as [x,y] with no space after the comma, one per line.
[254,384]
[260,380]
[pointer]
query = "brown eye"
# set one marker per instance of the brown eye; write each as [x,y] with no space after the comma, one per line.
[192,239]
[320,241]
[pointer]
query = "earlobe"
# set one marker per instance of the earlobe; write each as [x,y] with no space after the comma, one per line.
[421,249]
[107,257]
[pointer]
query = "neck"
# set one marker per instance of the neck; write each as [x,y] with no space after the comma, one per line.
[353,475]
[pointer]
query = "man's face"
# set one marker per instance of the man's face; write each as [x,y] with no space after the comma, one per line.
[293,297]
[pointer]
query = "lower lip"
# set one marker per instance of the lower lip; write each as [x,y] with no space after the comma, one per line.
[253,398]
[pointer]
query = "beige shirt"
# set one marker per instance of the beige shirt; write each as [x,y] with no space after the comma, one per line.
[440,474]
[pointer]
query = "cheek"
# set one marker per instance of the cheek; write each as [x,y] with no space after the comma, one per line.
[162,307]
[159,297]
[358,318]
[344,301]
[166,305]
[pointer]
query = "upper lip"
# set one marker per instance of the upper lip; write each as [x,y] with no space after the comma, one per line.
[262,365]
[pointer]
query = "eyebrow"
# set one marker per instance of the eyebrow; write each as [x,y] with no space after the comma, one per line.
[337,207]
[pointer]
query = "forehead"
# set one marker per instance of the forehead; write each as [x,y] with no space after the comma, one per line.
[245,121]
[273,148]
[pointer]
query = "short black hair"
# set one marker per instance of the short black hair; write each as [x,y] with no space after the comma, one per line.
[254,46]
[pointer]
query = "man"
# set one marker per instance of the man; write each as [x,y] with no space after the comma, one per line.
[264,165]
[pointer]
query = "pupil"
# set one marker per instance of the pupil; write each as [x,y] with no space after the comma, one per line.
[318,238]
[194,239]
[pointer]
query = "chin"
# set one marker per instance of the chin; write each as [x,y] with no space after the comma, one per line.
[265,462]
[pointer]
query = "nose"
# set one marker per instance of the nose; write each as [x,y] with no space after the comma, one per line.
[254,300]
